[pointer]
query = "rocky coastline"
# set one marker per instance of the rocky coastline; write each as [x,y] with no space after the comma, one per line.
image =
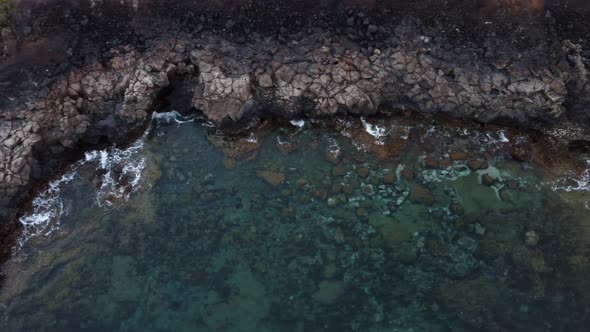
[76,76]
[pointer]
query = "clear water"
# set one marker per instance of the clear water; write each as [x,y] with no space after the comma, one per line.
[372,225]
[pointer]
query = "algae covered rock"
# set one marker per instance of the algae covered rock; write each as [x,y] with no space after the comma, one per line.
[124,286]
[329,291]
[421,195]
[487,305]
[273,178]
[245,307]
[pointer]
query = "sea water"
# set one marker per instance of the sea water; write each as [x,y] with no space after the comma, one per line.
[358,225]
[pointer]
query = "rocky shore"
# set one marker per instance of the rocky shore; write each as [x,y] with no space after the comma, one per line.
[77,76]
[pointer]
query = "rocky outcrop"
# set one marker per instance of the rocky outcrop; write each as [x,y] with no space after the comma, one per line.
[411,71]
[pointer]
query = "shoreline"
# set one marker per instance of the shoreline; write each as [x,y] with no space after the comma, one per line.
[95,79]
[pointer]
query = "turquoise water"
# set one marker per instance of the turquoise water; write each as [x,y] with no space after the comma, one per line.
[363,225]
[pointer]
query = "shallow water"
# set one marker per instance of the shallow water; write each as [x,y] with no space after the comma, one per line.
[371,225]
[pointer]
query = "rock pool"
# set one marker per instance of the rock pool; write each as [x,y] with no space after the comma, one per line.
[361,225]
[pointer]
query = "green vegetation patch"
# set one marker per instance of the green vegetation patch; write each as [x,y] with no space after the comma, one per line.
[5,10]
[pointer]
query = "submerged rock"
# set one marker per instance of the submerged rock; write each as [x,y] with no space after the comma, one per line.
[245,307]
[273,178]
[475,165]
[328,292]
[531,238]
[458,156]
[363,172]
[487,180]
[422,195]
[389,178]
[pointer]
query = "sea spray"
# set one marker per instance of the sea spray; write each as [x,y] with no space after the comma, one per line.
[573,183]
[48,207]
[375,130]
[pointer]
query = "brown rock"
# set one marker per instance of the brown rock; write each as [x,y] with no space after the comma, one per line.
[446,163]
[487,180]
[347,189]
[333,157]
[408,174]
[238,149]
[475,164]
[457,156]
[438,214]
[362,172]
[286,148]
[362,212]
[338,171]
[456,209]
[431,163]
[387,149]
[320,194]
[229,163]
[391,149]
[519,154]
[328,291]
[305,199]
[286,212]
[422,195]
[302,183]
[504,195]
[273,178]
[512,184]
[389,178]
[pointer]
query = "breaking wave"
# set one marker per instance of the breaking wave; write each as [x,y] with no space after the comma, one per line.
[571,183]
[48,207]
[121,172]
[118,173]
[375,130]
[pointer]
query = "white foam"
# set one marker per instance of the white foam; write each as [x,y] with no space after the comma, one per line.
[334,148]
[374,130]
[251,138]
[488,138]
[115,185]
[298,123]
[502,136]
[570,184]
[172,116]
[453,173]
[48,207]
